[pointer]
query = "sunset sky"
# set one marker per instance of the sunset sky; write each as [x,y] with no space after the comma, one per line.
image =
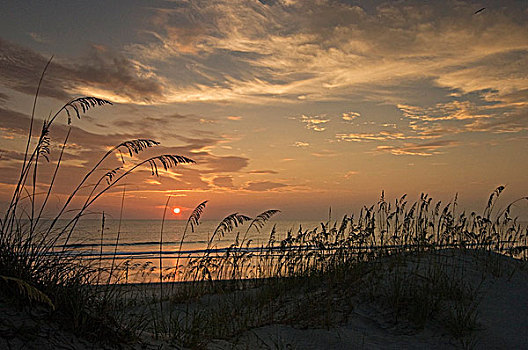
[286,104]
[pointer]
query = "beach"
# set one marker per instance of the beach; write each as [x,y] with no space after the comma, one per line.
[300,316]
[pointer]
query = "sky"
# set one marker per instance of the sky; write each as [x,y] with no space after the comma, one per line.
[284,104]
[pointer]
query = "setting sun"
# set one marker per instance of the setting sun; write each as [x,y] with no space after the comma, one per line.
[176,210]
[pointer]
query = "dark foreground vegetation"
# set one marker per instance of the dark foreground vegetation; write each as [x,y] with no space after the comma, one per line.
[414,261]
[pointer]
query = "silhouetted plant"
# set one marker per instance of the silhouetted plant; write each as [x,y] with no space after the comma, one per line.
[29,259]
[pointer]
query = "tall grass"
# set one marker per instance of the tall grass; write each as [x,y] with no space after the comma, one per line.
[379,230]
[400,255]
[31,257]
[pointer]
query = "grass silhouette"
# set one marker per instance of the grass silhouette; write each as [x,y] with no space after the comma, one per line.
[32,264]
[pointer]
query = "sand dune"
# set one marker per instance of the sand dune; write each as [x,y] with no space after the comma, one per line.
[500,284]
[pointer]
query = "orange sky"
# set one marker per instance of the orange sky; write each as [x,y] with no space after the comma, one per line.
[293,105]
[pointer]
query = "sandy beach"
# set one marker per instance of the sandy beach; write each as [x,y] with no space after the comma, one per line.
[358,317]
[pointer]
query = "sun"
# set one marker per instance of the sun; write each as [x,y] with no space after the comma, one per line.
[176,210]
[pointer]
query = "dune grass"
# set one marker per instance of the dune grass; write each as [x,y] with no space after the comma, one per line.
[409,259]
[401,257]
[33,263]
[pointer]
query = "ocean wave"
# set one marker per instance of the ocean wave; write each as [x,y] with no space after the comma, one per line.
[124,244]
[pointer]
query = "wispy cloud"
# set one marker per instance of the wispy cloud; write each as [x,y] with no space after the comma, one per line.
[324,153]
[503,115]
[380,136]
[415,149]
[505,124]
[301,144]
[39,38]
[315,123]
[349,116]
[257,52]
[261,186]
[351,173]
[262,172]
[3,98]
[102,72]
[223,181]
[232,49]
[85,148]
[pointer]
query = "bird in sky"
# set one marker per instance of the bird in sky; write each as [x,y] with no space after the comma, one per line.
[479,11]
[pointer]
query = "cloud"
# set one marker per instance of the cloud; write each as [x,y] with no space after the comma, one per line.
[261,186]
[262,172]
[223,181]
[489,113]
[39,38]
[101,72]
[366,137]
[207,121]
[498,70]
[316,123]
[161,126]
[85,149]
[350,173]
[506,124]
[257,52]
[453,110]
[350,116]
[323,153]
[7,155]
[226,164]
[152,182]
[301,144]
[21,69]
[326,50]
[13,121]
[414,149]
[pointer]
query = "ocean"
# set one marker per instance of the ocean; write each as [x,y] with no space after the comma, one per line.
[140,239]
[134,245]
